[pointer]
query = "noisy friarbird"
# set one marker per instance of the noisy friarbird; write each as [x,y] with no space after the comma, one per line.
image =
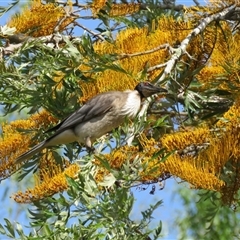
[100,115]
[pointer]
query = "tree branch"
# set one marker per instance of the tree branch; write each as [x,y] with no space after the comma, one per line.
[164,7]
[126,55]
[52,38]
[90,31]
[182,50]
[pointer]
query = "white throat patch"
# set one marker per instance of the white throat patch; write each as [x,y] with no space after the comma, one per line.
[132,105]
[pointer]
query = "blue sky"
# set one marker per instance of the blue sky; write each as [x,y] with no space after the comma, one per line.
[172,203]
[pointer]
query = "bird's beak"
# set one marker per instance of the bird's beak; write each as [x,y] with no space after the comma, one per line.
[151,89]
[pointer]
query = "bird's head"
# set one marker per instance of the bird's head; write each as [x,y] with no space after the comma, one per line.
[147,89]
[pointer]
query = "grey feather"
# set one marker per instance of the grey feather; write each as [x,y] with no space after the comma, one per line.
[96,106]
[38,148]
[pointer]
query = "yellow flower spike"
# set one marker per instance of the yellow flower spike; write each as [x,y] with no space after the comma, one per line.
[88,90]
[150,145]
[13,143]
[201,171]
[128,153]
[229,152]
[120,9]
[30,20]
[123,9]
[48,164]
[230,128]
[154,169]
[224,61]
[231,116]
[43,119]
[97,5]
[180,140]
[207,74]
[102,172]
[117,157]
[10,148]
[186,169]
[133,40]
[49,186]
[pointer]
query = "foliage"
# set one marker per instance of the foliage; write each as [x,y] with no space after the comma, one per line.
[205,218]
[49,67]
[85,211]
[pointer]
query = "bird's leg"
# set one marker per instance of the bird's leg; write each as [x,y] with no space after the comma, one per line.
[89,146]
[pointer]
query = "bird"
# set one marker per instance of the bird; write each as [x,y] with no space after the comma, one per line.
[97,117]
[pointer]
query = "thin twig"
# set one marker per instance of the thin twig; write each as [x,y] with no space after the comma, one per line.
[196,2]
[90,31]
[126,55]
[60,21]
[163,7]
[76,4]
[170,113]
[150,69]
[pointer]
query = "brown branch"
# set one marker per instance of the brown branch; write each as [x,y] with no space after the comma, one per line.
[163,7]
[150,69]
[126,55]
[170,113]
[76,4]
[52,38]
[196,2]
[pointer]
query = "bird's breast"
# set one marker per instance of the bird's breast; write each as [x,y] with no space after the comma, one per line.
[97,127]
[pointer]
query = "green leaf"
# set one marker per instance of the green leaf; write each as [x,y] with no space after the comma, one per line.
[158,231]
[104,163]
[108,181]
[2,230]
[4,10]
[10,227]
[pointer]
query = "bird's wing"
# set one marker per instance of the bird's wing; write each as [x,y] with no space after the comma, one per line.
[96,106]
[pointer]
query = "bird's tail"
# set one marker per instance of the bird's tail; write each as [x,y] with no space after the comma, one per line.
[38,148]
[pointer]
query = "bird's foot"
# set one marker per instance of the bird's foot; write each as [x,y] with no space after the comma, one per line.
[91,150]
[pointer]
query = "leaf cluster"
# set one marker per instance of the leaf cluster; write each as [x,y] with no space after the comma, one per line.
[39,75]
[86,211]
[204,217]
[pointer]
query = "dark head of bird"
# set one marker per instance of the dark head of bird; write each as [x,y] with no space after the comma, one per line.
[147,89]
